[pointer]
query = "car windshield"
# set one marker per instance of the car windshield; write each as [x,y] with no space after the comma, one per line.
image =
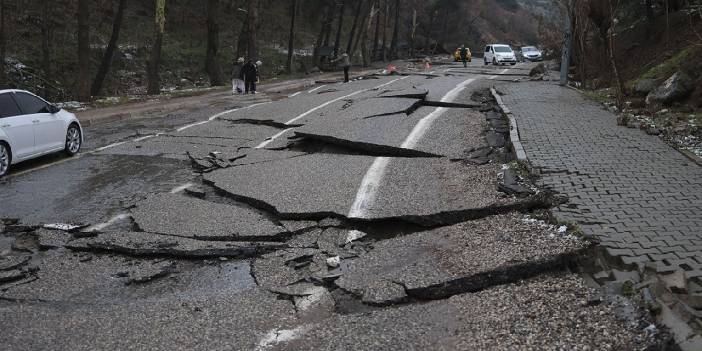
[502,49]
[528,48]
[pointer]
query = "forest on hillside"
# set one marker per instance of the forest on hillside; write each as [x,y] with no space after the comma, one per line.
[83,49]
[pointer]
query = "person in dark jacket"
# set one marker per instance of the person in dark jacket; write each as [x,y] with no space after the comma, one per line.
[345,62]
[464,55]
[249,74]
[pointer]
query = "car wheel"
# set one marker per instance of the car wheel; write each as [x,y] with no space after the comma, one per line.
[513,63]
[73,140]
[486,63]
[5,159]
[494,62]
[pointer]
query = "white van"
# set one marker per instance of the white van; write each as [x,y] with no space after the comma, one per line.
[499,54]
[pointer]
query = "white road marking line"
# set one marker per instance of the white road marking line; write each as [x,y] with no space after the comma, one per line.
[191,125]
[294,95]
[111,221]
[110,146]
[180,188]
[270,140]
[305,114]
[368,191]
[144,138]
[317,88]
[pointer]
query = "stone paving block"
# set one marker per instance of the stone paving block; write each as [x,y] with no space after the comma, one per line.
[648,195]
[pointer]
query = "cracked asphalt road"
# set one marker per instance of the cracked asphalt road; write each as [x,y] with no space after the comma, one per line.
[359,216]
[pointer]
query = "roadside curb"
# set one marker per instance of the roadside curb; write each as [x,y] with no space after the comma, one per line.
[513,129]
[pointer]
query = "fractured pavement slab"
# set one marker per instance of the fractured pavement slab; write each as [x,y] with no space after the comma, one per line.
[184,216]
[313,186]
[176,147]
[549,312]
[451,260]
[142,244]
[426,191]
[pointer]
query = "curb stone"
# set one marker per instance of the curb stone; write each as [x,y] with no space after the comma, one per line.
[513,129]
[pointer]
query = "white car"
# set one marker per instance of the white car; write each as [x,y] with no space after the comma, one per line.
[31,127]
[499,54]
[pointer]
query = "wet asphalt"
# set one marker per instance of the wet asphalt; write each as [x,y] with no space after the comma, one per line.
[325,220]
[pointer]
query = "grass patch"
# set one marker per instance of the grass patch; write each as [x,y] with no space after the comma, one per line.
[600,95]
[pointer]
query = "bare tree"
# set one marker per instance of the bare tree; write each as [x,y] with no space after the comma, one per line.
[356,16]
[368,57]
[3,75]
[107,58]
[252,19]
[337,42]
[83,78]
[242,42]
[377,32]
[46,32]
[612,28]
[154,81]
[395,32]
[214,71]
[327,13]
[291,37]
[383,53]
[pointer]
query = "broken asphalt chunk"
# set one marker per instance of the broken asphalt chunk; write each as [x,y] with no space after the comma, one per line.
[142,244]
[466,257]
[184,216]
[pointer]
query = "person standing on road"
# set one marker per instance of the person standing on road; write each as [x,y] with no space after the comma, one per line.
[464,56]
[237,83]
[346,63]
[249,74]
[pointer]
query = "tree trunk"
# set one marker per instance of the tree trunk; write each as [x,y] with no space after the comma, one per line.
[362,30]
[154,81]
[337,42]
[46,44]
[649,10]
[395,32]
[320,37]
[253,29]
[243,38]
[377,32]
[83,82]
[383,52]
[356,15]
[367,57]
[612,59]
[413,32]
[110,51]
[214,71]
[291,37]
[3,76]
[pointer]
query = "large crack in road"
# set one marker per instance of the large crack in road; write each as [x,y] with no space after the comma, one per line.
[306,224]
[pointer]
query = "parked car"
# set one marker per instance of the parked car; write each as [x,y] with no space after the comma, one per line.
[499,54]
[457,55]
[31,127]
[530,53]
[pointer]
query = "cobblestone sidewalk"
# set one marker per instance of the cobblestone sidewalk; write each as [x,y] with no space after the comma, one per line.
[639,196]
